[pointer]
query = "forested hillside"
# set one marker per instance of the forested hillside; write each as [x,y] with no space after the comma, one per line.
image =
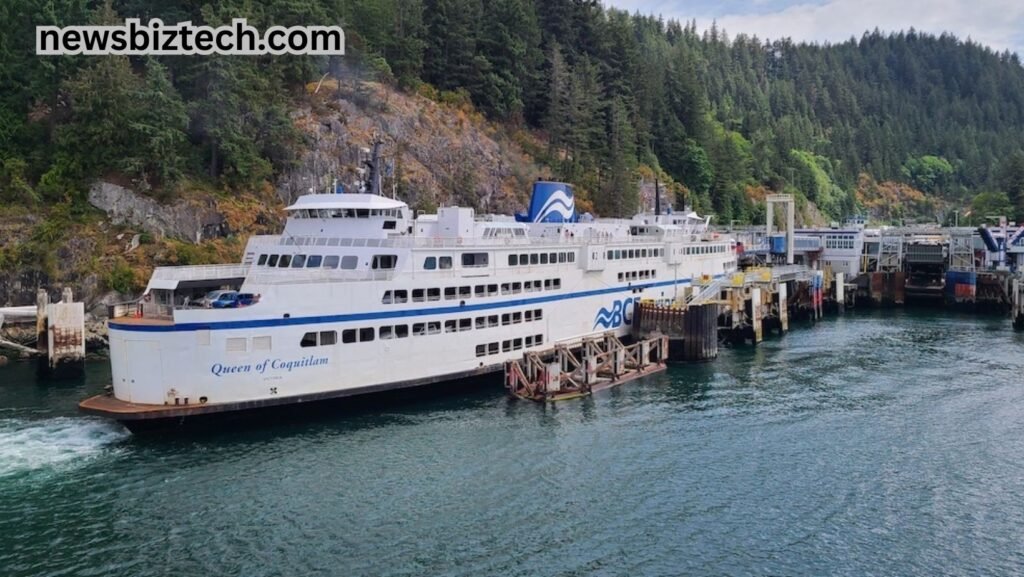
[887,123]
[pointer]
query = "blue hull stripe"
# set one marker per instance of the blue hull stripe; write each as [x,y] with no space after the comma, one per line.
[378,315]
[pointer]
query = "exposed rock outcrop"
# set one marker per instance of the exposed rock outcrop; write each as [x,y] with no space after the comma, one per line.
[190,220]
[440,154]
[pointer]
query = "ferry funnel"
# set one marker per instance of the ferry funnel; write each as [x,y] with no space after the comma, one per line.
[550,202]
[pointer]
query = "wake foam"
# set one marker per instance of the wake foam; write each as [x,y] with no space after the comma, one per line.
[28,445]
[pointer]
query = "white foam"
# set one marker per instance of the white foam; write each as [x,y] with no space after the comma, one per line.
[27,445]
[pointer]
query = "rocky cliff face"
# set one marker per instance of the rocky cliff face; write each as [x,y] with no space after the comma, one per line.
[189,220]
[438,154]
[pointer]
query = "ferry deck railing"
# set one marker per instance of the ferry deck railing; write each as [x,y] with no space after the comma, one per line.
[200,272]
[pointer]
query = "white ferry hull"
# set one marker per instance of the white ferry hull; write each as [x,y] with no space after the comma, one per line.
[441,308]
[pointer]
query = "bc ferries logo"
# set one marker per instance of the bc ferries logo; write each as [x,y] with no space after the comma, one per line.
[550,202]
[619,314]
[559,203]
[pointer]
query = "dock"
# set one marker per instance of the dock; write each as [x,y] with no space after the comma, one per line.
[59,331]
[574,370]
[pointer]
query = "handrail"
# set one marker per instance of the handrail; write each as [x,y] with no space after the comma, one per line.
[200,272]
[308,275]
[460,243]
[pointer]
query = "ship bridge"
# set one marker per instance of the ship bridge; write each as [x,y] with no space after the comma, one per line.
[350,215]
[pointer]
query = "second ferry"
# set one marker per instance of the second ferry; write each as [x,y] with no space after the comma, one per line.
[360,295]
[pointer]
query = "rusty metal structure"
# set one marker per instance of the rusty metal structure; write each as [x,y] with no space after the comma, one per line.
[569,371]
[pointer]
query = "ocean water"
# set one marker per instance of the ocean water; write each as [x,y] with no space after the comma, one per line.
[875,443]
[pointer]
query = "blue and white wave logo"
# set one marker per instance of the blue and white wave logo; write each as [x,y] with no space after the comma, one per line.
[619,314]
[550,202]
[559,203]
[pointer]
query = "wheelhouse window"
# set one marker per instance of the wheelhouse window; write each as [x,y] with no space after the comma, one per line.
[286,260]
[299,261]
[331,261]
[430,263]
[444,262]
[314,261]
[349,262]
[273,260]
[262,260]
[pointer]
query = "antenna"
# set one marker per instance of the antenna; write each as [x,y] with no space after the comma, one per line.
[657,199]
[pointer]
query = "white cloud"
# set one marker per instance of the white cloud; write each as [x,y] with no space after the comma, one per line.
[995,23]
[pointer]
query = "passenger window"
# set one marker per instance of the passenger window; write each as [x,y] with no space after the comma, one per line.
[543,258]
[308,340]
[384,261]
[385,333]
[534,258]
[449,293]
[299,261]
[513,260]
[418,295]
[328,338]
[401,296]
[273,260]
[465,324]
[366,335]
[474,259]
[348,336]
[262,260]
[286,260]
[433,294]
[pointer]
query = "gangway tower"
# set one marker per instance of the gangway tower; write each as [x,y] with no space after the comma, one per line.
[787,201]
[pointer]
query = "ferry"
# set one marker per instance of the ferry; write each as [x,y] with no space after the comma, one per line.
[361,295]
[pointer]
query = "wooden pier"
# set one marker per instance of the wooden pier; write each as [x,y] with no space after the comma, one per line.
[574,370]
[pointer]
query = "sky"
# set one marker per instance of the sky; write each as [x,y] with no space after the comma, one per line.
[998,24]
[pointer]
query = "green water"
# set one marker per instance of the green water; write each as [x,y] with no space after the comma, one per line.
[872,444]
